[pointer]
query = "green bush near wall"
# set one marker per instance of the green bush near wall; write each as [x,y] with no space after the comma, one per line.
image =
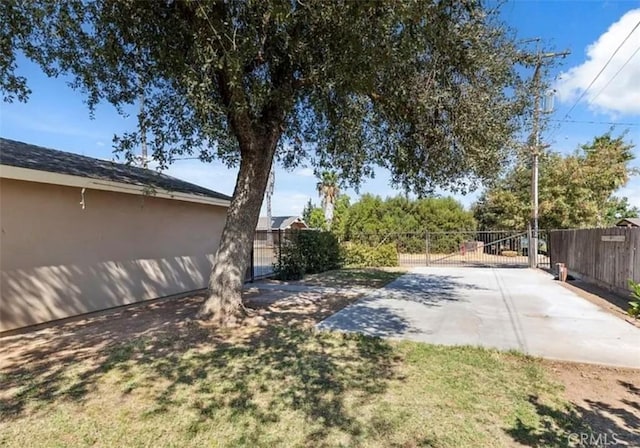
[357,255]
[307,252]
[634,304]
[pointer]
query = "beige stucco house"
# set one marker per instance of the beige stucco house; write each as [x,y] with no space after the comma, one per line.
[80,234]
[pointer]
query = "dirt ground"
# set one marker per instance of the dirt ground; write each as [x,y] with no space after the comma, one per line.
[608,398]
[91,333]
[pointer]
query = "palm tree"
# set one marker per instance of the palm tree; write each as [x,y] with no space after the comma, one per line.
[328,191]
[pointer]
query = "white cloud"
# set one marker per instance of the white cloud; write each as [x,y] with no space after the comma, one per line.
[622,95]
[100,143]
[632,192]
[304,172]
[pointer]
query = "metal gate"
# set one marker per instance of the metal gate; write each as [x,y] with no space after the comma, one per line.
[503,248]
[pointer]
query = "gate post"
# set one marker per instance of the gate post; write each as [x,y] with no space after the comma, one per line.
[279,257]
[426,247]
[532,254]
[252,264]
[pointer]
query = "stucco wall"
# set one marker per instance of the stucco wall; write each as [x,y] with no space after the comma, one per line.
[58,260]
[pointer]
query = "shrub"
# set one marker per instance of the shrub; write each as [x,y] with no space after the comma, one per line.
[291,263]
[321,251]
[360,256]
[634,304]
[307,252]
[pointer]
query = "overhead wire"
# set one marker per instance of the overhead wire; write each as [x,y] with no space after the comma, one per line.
[616,74]
[565,119]
[584,92]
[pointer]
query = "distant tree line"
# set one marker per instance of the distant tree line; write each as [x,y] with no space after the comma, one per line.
[373,220]
[576,190]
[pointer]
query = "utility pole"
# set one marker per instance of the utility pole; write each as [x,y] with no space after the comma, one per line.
[143,133]
[535,152]
[270,189]
[142,118]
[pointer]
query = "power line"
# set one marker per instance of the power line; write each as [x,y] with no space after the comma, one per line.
[584,92]
[617,73]
[595,122]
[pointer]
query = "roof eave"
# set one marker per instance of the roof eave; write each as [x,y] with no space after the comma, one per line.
[67,180]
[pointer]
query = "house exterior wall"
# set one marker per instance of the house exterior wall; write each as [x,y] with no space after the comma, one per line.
[59,260]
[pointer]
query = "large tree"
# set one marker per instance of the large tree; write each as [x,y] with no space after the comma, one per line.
[427,89]
[576,190]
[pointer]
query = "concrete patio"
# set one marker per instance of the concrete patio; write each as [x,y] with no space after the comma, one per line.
[506,309]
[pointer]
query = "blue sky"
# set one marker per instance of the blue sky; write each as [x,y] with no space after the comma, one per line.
[56,116]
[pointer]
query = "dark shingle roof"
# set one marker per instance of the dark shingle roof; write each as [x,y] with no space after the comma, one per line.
[632,221]
[277,222]
[24,155]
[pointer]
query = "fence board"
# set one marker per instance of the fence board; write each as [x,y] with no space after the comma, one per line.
[609,262]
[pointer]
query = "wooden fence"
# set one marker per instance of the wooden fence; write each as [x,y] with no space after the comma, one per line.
[606,257]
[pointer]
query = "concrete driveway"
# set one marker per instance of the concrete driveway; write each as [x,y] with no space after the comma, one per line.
[521,309]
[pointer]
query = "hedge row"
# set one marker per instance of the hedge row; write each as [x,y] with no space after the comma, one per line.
[307,252]
[311,252]
[361,255]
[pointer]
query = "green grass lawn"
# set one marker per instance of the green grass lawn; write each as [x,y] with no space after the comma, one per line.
[282,386]
[350,277]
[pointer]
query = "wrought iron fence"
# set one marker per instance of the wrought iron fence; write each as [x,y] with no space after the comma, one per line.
[496,248]
[503,248]
[264,254]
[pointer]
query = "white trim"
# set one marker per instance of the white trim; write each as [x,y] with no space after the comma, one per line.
[47,177]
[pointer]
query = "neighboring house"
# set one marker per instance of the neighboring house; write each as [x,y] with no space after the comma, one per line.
[628,222]
[81,234]
[280,223]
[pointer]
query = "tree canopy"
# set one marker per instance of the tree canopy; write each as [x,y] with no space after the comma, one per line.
[428,89]
[575,190]
[419,87]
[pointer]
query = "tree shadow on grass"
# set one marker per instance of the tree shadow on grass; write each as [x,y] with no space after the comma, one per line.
[599,424]
[256,376]
[298,371]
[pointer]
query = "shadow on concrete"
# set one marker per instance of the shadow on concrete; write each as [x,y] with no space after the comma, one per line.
[363,317]
[617,300]
[383,312]
[428,289]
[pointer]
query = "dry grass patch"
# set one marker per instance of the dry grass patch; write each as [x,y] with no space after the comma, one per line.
[355,277]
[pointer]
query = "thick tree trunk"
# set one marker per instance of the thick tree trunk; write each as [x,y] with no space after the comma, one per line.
[224,305]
